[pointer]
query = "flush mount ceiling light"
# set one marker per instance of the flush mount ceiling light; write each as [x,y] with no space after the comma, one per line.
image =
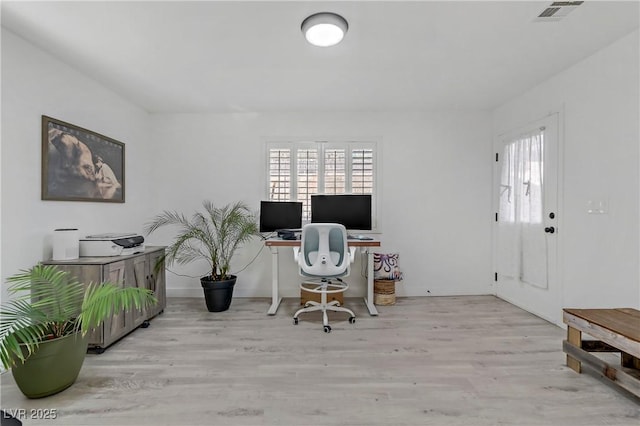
[324,29]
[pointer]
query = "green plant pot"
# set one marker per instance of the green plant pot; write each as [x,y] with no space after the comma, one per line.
[53,367]
[218,294]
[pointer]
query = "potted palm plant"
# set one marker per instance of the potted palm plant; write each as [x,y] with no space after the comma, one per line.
[44,326]
[213,235]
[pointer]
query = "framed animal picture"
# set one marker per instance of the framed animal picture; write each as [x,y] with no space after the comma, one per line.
[80,165]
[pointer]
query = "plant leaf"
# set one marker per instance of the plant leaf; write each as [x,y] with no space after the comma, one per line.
[48,301]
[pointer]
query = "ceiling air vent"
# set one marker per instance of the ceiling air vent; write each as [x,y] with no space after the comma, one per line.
[557,10]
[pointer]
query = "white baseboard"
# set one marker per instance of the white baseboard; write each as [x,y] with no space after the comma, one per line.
[184,292]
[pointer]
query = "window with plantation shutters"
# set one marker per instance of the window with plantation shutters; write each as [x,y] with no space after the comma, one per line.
[334,171]
[280,174]
[297,170]
[306,179]
[362,171]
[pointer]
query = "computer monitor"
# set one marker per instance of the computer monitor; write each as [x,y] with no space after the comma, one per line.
[279,215]
[351,210]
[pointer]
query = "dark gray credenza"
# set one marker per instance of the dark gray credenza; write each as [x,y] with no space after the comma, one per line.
[145,270]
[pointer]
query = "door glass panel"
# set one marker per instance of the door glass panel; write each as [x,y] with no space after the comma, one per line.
[522,243]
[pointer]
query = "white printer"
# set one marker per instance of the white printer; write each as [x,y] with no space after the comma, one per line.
[111,244]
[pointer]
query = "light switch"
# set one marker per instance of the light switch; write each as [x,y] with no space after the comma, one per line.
[597,207]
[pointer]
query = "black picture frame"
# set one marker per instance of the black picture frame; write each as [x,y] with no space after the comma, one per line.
[80,165]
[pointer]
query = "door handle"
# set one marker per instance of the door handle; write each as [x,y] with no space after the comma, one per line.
[550,230]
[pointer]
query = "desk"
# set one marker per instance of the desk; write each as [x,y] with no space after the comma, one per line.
[274,244]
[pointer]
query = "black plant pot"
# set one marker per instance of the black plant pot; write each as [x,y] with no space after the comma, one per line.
[218,294]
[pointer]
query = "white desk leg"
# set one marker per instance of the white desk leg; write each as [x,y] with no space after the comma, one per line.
[275,293]
[369,299]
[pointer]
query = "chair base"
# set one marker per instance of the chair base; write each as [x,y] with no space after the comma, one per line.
[324,306]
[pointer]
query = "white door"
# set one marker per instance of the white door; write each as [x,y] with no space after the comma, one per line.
[526,218]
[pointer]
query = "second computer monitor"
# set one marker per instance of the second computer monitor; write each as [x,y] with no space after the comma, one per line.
[351,210]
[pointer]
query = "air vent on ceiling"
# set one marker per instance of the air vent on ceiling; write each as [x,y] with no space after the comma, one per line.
[557,10]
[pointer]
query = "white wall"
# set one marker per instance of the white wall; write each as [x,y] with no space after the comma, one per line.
[435,174]
[36,84]
[434,177]
[435,186]
[599,99]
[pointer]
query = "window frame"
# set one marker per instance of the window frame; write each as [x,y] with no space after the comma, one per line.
[322,146]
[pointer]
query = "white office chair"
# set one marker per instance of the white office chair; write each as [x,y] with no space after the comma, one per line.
[324,258]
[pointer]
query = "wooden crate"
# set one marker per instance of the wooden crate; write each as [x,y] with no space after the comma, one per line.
[615,330]
[306,296]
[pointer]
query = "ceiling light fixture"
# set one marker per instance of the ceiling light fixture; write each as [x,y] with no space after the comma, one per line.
[324,29]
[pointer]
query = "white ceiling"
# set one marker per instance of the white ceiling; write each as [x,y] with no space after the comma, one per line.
[251,56]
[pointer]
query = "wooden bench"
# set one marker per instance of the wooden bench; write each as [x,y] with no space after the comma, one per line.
[616,330]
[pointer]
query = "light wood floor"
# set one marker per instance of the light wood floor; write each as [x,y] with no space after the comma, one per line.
[424,361]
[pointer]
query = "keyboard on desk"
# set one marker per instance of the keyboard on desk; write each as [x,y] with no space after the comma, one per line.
[358,237]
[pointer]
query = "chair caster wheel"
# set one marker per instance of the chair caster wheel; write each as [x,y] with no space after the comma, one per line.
[352,320]
[327,329]
[295,321]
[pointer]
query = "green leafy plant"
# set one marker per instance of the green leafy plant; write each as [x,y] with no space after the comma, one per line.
[214,235]
[48,303]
